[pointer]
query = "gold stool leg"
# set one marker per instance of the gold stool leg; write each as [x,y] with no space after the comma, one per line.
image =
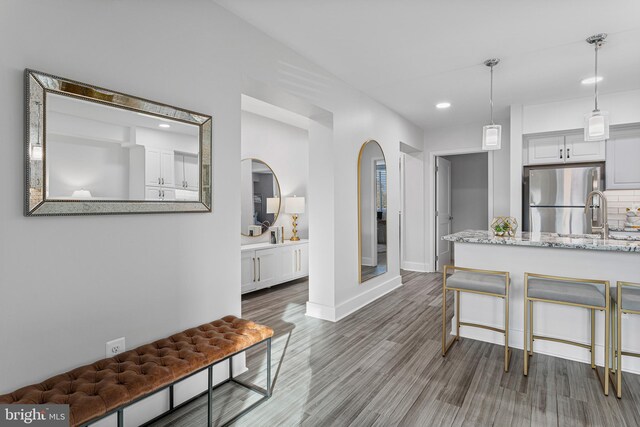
[593,338]
[618,354]
[445,345]
[507,354]
[457,316]
[607,337]
[526,338]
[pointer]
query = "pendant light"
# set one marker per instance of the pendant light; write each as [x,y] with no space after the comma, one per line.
[596,123]
[491,134]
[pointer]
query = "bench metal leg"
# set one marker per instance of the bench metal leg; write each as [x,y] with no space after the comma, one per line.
[171,405]
[120,417]
[269,367]
[209,395]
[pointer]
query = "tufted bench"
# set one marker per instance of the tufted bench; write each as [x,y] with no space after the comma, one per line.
[108,386]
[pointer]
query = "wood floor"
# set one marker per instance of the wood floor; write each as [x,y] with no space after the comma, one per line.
[382,366]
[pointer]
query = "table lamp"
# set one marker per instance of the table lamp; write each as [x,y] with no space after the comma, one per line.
[294,206]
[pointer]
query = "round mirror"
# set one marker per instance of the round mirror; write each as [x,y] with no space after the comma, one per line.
[260,197]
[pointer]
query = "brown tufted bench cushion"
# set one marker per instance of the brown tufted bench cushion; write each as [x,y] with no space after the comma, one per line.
[93,390]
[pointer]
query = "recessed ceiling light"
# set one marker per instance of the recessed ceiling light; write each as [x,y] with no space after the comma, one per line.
[443,105]
[164,125]
[591,80]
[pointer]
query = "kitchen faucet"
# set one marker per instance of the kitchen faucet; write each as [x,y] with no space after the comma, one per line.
[604,218]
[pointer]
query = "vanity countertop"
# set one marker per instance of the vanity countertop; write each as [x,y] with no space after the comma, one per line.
[267,245]
[550,240]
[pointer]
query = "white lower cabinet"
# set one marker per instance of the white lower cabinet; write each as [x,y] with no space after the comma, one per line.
[264,265]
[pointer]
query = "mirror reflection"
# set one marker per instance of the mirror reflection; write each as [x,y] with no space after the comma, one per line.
[372,211]
[96,151]
[260,197]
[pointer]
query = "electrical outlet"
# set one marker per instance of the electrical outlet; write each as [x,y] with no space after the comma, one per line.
[115,347]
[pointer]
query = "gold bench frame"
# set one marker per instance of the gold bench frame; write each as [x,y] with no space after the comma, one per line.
[530,337]
[505,297]
[616,370]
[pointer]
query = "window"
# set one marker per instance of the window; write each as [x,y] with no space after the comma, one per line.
[381,186]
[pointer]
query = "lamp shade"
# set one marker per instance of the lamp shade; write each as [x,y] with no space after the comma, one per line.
[491,137]
[273,205]
[81,194]
[596,126]
[294,205]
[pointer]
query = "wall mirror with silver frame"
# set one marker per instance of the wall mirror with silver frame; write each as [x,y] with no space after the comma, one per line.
[372,211]
[261,199]
[92,151]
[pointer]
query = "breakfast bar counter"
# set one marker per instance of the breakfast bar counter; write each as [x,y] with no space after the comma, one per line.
[577,256]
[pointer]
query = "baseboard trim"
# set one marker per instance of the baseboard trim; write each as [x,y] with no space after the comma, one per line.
[419,267]
[334,314]
[359,301]
[319,311]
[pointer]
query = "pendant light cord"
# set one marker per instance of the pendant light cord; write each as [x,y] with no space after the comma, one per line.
[491,97]
[597,45]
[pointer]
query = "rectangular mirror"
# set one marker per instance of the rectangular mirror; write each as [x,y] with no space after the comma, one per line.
[94,151]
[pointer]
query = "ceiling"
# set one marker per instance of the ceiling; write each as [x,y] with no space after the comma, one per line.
[412,54]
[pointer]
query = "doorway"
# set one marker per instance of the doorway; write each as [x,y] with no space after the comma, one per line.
[461,199]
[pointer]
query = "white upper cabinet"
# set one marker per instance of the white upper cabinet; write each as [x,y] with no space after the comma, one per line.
[623,159]
[567,148]
[153,176]
[159,168]
[578,150]
[187,171]
[548,149]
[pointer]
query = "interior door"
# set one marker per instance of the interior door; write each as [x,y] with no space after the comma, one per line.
[443,212]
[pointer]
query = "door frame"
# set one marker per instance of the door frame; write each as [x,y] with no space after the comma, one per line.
[431,213]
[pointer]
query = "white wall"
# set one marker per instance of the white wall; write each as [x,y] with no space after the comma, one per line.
[76,282]
[463,139]
[100,167]
[285,149]
[414,218]
[469,191]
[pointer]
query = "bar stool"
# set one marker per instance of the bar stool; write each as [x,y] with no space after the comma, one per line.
[626,297]
[483,282]
[585,293]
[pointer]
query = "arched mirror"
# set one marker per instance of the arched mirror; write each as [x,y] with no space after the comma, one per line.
[372,211]
[260,197]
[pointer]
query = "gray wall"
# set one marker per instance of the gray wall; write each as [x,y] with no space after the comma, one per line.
[469,191]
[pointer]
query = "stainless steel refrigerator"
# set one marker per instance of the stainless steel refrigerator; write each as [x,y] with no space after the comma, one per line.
[555,197]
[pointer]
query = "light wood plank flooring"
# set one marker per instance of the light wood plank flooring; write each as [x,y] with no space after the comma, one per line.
[382,366]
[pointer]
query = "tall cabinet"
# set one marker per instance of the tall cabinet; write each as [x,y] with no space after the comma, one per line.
[264,264]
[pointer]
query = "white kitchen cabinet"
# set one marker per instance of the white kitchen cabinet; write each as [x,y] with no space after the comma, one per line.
[623,157]
[160,193]
[264,264]
[187,171]
[577,150]
[159,167]
[248,269]
[549,149]
[563,148]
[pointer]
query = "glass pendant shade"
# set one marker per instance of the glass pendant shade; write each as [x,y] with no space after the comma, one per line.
[36,152]
[491,137]
[596,126]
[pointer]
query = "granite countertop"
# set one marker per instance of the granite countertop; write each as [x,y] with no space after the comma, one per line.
[550,240]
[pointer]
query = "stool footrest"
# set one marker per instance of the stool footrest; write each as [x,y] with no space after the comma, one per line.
[476,325]
[563,341]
